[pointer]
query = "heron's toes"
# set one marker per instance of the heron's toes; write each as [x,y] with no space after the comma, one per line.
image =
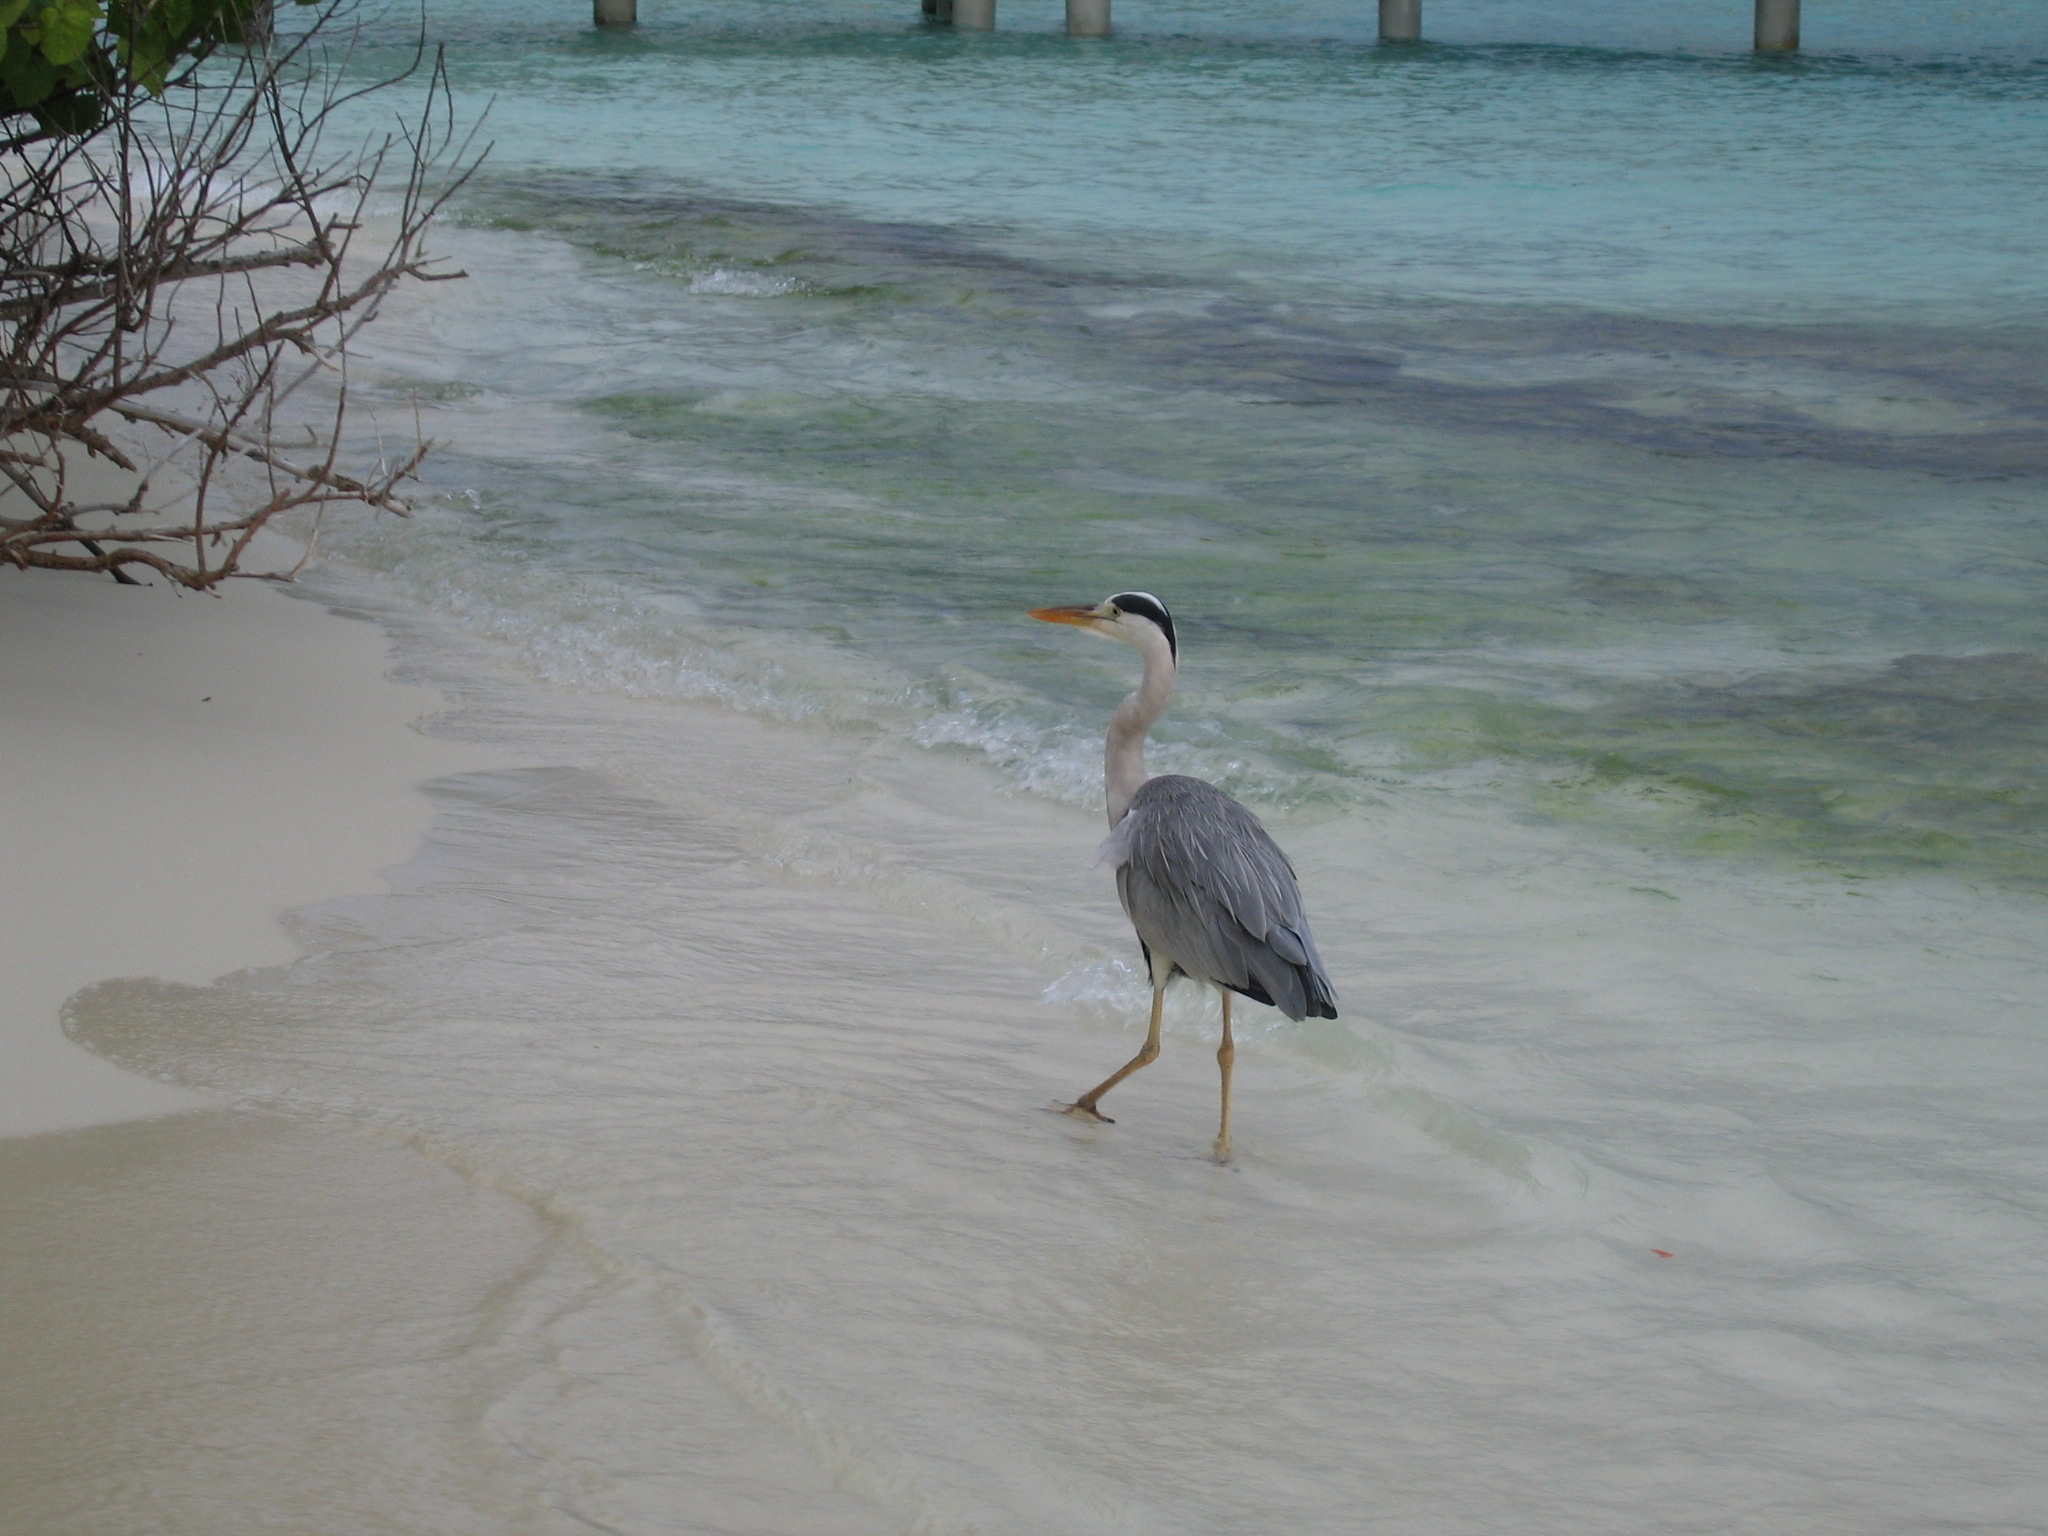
[1087,1112]
[1222,1149]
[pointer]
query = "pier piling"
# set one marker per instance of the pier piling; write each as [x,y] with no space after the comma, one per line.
[615,13]
[1087,18]
[1777,26]
[975,15]
[1401,20]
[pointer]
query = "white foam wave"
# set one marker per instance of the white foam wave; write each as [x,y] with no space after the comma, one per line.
[738,283]
[603,634]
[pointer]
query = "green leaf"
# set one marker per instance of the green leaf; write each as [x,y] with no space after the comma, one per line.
[67,30]
[27,75]
[77,111]
[54,50]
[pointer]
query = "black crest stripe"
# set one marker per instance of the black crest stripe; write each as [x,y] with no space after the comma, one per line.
[1146,606]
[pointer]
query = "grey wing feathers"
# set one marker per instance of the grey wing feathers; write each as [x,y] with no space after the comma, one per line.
[1208,889]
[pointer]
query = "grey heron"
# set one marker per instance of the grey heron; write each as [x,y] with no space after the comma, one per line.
[1212,896]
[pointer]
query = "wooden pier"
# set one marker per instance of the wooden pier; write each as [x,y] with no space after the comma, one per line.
[1777,21]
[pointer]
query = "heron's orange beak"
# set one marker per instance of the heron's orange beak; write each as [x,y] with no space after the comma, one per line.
[1076,615]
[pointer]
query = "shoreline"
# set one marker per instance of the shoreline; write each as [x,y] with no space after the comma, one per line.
[699,1023]
[186,770]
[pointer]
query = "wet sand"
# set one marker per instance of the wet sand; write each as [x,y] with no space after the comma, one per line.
[220,1319]
[201,1309]
[184,770]
[222,1322]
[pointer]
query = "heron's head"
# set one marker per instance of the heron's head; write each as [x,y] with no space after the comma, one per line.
[1132,617]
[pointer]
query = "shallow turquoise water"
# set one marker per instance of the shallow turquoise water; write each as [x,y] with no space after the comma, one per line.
[1648,176]
[1648,433]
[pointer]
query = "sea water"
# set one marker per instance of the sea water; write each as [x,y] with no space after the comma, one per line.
[1596,474]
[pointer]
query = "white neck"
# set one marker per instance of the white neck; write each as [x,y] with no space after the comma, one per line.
[1123,759]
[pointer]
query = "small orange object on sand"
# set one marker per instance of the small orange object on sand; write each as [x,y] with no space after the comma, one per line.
[1660,1253]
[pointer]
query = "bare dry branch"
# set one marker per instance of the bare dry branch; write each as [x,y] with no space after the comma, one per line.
[188,268]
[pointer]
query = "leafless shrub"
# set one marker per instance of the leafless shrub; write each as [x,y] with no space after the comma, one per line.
[171,281]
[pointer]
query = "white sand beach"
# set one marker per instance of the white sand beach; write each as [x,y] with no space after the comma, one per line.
[184,770]
[185,1286]
[666,1151]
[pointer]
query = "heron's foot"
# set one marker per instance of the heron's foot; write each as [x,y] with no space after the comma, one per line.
[1087,1112]
[1222,1149]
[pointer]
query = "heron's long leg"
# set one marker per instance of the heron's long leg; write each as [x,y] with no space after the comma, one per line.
[1226,1054]
[1085,1105]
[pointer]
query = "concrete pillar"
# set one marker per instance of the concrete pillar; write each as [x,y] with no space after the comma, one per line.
[1087,18]
[976,15]
[615,13]
[1777,26]
[1401,20]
